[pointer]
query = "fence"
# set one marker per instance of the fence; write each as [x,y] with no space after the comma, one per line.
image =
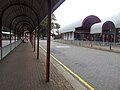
[8,48]
[93,44]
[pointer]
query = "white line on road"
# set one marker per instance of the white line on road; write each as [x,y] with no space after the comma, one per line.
[63,46]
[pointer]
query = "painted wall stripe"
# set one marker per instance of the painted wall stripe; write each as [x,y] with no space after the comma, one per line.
[70,71]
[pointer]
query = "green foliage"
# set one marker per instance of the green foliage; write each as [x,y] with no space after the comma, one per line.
[57,25]
[45,25]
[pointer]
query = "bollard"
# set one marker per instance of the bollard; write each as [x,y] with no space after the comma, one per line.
[110,46]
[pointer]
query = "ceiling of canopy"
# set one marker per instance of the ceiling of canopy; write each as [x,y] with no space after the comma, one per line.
[31,12]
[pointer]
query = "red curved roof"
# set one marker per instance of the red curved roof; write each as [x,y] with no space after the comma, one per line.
[90,20]
[108,25]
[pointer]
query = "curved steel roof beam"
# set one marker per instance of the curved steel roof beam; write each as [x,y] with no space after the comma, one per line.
[20,22]
[19,16]
[14,4]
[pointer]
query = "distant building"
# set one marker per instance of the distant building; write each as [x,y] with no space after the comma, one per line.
[107,30]
[79,30]
[92,28]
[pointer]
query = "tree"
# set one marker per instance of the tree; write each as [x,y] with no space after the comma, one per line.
[57,27]
[45,25]
[43,32]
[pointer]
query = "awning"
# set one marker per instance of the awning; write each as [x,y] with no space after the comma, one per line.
[71,27]
[115,20]
[100,27]
[85,23]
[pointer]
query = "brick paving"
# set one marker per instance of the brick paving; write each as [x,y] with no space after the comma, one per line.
[20,70]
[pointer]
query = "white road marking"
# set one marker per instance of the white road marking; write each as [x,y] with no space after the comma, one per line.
[63,46]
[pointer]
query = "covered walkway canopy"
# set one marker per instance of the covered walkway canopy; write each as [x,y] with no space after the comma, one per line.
[80,29]
[109,23]
[87,23]
[71,27]
[81,25]
[102,27]
[115,20]
[29,12]
[26,15]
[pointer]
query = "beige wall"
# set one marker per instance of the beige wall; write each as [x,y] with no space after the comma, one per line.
[68,36]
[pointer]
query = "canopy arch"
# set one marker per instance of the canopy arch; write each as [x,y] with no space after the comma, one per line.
[15,14]
[23,25]
[90,20]
[20,16]
[102,27]
[22,21]
[17,4]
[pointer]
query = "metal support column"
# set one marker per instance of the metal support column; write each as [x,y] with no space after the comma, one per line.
[114,36]
[91,38]
[110,42]
[48,42]
[1,36]
[38,42]
[31,39]
[10,41]
[35,40]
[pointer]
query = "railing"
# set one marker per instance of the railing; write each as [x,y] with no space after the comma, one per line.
[8,48]
[93,44]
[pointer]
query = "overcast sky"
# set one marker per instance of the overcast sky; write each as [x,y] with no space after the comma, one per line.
[73,10]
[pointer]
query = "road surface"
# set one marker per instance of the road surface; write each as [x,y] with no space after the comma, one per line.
[100,69]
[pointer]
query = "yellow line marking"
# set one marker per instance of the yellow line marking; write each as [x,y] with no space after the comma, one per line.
[74,74]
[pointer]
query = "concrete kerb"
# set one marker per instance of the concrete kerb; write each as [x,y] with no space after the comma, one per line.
[71,79]
[75,83]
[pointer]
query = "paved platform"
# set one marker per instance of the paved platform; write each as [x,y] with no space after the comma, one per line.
[20,70]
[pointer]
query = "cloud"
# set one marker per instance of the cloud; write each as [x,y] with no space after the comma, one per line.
[73,10]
